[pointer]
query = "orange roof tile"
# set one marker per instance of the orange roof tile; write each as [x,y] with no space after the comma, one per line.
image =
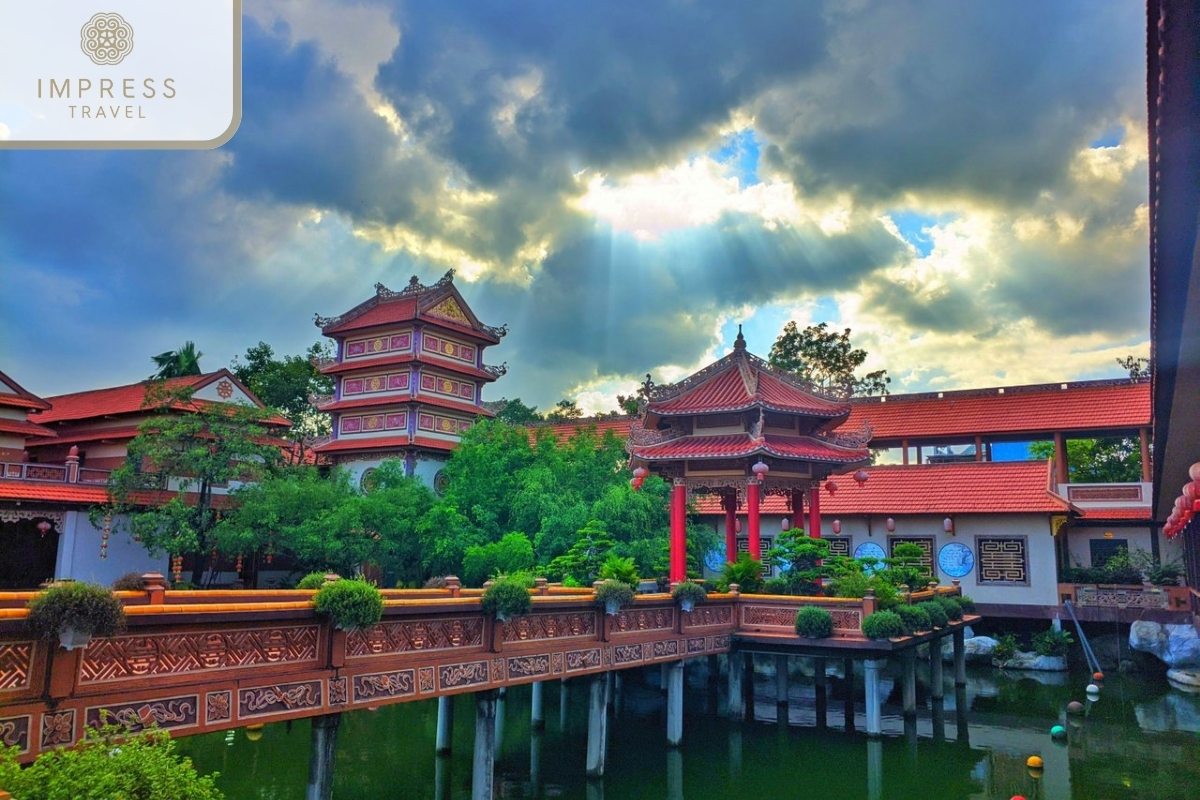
[738,382]
[359,443]
[16,396]
[562,431]
[384,312]
[1091,407]
[24,428]
[1102,514]
[740,445]
[94,435]
[52,492]
[414,301]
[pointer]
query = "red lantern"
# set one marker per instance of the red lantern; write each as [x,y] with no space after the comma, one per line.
[43,527]
[640,472]
[860,477]
[1194,471]
[786,525]
[890,524]
[760,471]
[837,526]
[831,487]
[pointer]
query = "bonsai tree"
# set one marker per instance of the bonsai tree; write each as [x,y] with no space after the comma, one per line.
[914,618]
[74,613]
[954,611]
[814,622]
[613,595]
[689,595]
[937,614]
[349,604]
[507,597]
[313,580]
[883,625]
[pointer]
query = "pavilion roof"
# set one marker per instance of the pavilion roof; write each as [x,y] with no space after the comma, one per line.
[26,429]
[741,445]
[439,304]
[1084,407]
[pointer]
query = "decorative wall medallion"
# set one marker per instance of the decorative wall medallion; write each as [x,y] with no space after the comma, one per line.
[58,728]
[218,707]
[956,560]
[871,550]
[225,390]
[425,678]
[338,691]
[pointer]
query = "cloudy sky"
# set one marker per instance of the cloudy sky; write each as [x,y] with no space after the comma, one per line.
[622,183]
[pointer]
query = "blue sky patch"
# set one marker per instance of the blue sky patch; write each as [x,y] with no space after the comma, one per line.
[912,227]
[740,151]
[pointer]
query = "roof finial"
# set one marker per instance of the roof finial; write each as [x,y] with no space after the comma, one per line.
[739,343]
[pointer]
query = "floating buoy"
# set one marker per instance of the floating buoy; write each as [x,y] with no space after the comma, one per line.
[1093,689]
[1098,677]
[1074,707]
[1058,732]
[1034,762]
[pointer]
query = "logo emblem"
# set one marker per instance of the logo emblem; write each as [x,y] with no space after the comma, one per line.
[106,39]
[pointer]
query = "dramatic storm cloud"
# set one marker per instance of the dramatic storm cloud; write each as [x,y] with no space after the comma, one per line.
[622,184]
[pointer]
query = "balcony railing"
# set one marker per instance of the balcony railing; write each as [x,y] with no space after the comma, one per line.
[52,473]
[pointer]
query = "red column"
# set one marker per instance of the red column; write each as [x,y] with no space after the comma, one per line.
[730,526]
[797,508]
[814,512]
[752,514]
[678,532]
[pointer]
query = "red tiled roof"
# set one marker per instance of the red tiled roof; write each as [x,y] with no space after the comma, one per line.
[982,487]
[19,397]
[94,435]
[401,359]
[741,384]
[390,308]
[21,428]
[106,402]
[385,312]
[1101,514]
[562,431]
[1082,407]
[466,408]
[362,443]
[739,445]
[51,492]
[434,444]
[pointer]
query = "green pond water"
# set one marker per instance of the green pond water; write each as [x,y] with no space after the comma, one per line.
[1141,739]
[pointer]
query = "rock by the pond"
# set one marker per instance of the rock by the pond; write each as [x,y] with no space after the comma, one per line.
[1185,678]
[1033,661]
[976,649]
[1178,646]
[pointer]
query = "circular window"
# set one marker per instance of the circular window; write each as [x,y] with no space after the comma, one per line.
[956,560]
[367,481]
[440,483]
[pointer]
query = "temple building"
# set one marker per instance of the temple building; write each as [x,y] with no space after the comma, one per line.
[409,376]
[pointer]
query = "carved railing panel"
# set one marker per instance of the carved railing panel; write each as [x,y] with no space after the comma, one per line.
[537,627]
[388,638]
[16,664]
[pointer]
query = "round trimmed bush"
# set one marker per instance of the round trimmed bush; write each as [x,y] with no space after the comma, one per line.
[967,604]
[814,622]
[914,618]
[953,610]
[86,607]
[937,614]
[883,625]
[689,593]
[613,595]
[129,582]
[349,604]
[313,580]
[507,597]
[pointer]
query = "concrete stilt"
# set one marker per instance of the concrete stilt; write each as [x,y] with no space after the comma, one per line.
[320,756]
[937,689]
[535,763]
[662,678]
[874,768]
[939,719]
[821,693]
[595,790]
[597,741]
[485,745]
[909,661]
[960,658]
[675,703]
[874,719]
[617,686]
[781,680]
[537,713]
[501,701]
[848,703]
[441,777]
[960,715]
[562,705]
[445,725]
[735,752]
[674,774]
[736,703]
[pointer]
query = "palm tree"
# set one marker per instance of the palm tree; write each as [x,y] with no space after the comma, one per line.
[177,363]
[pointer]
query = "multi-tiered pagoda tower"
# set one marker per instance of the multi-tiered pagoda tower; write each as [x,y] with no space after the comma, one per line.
[739,428]
[409,377]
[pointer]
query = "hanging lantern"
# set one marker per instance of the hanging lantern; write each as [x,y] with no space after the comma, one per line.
[890,524]
[948,526]
[786,525]
[238,566]
[177,567]
[43,528]
[831,487]
[635,483]
[1194,471]
[760,470]
[860,477]
[837,527]
[737,525]
[640,472]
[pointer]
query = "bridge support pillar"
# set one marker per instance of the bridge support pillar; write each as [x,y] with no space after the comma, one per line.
[485,745]
[320,756]
[501,697]
[675,703]
[562,705]
[445,725]
[597,741]
[960,657]
[535,763]
[936,689]
[736,708]
[821,692]
[874,769]
[909,662]
[848,703]
[781,680]
[874,720]
[674,774]
[537,714]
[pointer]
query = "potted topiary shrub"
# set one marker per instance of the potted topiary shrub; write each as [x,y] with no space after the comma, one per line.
[953,610]
[612,595]
[966,604]
[313,580]
[814,622]
[914,618]
[506,598]
[937,614]
[74,613]
[349,604]
[689,595]
[883,625]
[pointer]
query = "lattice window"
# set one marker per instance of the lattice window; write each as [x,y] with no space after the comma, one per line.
[1104,549]
[1003,559]
[766,543]
[923,542]
[719,421]
[840,547]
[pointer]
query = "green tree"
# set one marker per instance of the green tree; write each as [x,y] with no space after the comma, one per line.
[1110,460]
[826,359]
[514,412]
[177,363]
[1138,368]
[513,553]
[186,449]
[801,559]
[288,385]
[564,411]
[581,564]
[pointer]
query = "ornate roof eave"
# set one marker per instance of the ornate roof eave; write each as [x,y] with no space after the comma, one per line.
[659,394]
[759,405]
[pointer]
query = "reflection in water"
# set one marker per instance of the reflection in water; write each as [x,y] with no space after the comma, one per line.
[1139,741]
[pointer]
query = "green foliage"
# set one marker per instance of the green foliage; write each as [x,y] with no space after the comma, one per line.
[1006,647]
[915,618]
[612,595]
[565,410]
[851,580]
[108,763]
[814,622]
[800,559]
[953,610]
[507,597]
[904,567]
[349,604]
[86,607]
[689,591]
[313,580]
[514,412]
[937,614]
[619,569]
[1138,368]
[883,625]
[586,556]
[1052,643]
[826,360]
[514,552]
[966,603]
[286,384]
[746,572]
[129,582]
[177,363]
[188,448]
[1108,460]
[1119,568]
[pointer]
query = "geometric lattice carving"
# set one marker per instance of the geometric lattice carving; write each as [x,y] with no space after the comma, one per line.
[926,545]
[1120,598]
[709,615]
[839,546]
[532,627]
[386,638]
[845,619]
[14,665]
[123,657]
[773,616]
[1002,560]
